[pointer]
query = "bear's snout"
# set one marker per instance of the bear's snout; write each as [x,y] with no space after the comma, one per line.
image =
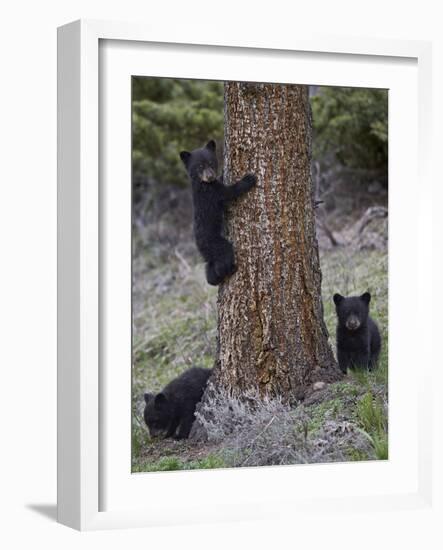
[352,322]
[208,175]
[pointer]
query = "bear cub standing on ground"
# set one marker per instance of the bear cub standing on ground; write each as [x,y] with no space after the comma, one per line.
[210,196]
[358,337]
[174,407]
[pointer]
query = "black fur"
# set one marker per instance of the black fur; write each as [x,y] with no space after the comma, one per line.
[174,407]
[210,196]
[358,337]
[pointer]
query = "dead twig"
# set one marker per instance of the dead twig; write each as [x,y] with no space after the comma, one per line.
[371,214]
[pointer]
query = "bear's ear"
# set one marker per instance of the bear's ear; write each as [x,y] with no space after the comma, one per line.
[337,299]
[211,145]
[160,400]
[366,297]
[148,397]
[185,156]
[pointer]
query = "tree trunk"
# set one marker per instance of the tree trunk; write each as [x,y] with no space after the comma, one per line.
[271,332]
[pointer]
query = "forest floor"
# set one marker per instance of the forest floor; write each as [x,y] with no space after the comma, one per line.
[174,328]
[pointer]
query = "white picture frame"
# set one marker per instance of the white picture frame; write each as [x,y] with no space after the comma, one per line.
[85,440]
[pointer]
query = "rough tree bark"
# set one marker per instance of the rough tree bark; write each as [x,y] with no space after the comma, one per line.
[271,332]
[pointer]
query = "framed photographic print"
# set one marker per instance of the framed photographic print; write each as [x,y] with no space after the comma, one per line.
[239,296]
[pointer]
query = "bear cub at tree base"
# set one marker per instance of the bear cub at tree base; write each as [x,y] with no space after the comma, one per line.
[210,196]
[358,337]
[174,407]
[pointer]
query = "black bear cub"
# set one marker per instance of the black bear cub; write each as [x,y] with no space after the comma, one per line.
[210,196]
[358,337]
[174,407]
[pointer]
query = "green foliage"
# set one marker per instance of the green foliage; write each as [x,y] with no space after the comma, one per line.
[381,446]
[356,455]
[327,410]
[170,115]
[173,463]
[352,124]
[372,418]
[370,413]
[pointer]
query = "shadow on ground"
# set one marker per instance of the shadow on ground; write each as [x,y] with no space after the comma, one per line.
[48,511]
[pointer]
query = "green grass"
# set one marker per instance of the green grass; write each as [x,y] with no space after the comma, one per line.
[174,463]
[370,413]
[327,410]
[372,418]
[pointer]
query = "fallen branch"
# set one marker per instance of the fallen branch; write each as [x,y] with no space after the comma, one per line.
[371,213]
